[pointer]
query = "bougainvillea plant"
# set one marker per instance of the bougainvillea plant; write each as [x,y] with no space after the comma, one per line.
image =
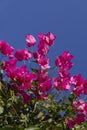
[31,98]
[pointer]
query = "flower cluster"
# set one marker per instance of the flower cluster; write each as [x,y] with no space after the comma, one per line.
[6,49]
[36,84]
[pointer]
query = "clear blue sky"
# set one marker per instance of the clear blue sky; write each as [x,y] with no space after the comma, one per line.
[65,18]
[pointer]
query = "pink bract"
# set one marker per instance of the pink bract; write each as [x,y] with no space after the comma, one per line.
[78,85]
[79,119]
[64,61]
[43,48]
[11,64]
[62,82]
[26,97]
[70,123]
[46,86]
[43,62]
[47,38]
[6,49]
[22,54]
[30,39]
[21,75]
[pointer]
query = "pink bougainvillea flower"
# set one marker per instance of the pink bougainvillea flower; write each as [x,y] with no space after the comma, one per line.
[77,80]
[11,56]
[27,54]
[5,48]
[30,40]
[43,62]
[43,97]
[80,106]
[63,81]
[21,75]
[70,123]
[26,97]
[83,108]
[85,86]
[43,48]
[44,81]
[46,86]
[37,55]
[51,38]
[24,86]
[78,83]
[47,38]
[61,85]
[22,54]
[79,119]
[19,54]
[64,61]
[77,103]
[78,90]
[42,76]
[9,64]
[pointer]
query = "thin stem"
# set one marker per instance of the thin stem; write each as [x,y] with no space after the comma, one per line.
[63,126]
[15,111]
[54,69]
[11,105]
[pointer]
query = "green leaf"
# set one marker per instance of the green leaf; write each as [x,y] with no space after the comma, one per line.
[1,109]
[11,128]
[32,128]
[1,64]
[35,83]
[40,115]
[0,85]
[34,70]
[70,108]
[85,124]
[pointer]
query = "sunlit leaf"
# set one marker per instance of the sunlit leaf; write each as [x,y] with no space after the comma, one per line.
[1,109]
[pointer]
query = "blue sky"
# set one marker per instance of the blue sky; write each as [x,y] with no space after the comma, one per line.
[65,18]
